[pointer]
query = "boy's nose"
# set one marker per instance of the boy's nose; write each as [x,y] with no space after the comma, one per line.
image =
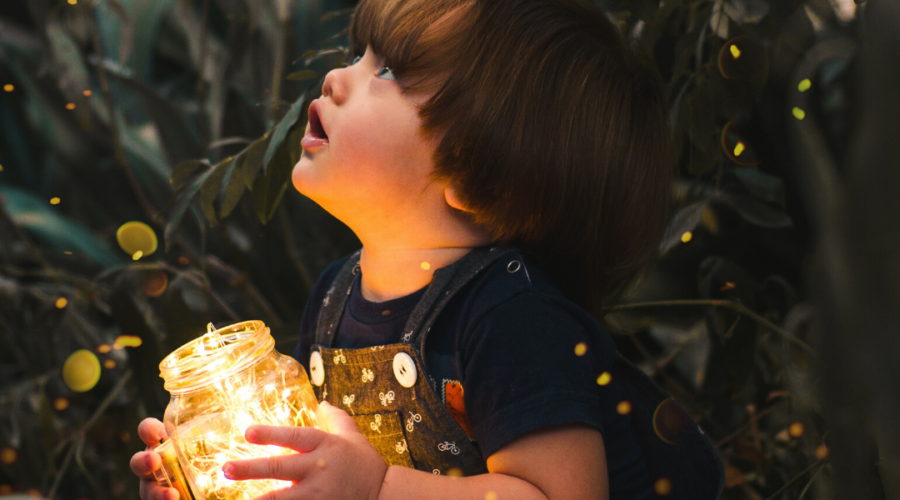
[335,85]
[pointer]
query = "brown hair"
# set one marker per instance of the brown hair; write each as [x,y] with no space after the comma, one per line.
[554,134]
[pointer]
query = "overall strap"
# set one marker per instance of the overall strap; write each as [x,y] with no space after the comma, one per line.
[444,285]
[335,301]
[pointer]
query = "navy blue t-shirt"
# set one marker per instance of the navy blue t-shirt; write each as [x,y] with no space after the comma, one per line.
[507,341]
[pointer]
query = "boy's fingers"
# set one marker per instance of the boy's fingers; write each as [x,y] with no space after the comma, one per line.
[337,420]
[143,463]
[151,431]
[151,490]
[302,439]
[285,467]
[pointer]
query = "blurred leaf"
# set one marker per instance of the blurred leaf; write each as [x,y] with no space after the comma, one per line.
[755,211]
[281,130]
[269,187]
[245,166]
[63,234]
[211,187]
[183,171]
[182,202]
[177,140]
[685,220]
[328,16]
[70,70]
[126,29]
[762,186]
[306,74]
[295,149]
[336,36]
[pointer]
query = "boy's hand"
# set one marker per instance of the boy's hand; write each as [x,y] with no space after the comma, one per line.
[339,463]
[143,463]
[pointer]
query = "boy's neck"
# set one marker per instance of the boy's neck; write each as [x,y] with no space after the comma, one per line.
[391,273]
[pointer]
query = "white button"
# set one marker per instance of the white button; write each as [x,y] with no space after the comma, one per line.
[405,369]
[316,368]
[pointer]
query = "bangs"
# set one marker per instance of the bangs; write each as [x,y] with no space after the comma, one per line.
[419,39]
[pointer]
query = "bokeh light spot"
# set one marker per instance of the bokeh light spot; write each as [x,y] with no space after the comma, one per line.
[155,284]
[604,378]
[136,236]
[73,2]
[67,252]
[9,87]
[455,472]
[799,113]
[123,341]
[739,148]
[8,455]
[183,260]
[729,285]
[624,407]
[55,200]
[669,422]
[87,93]
[796,429]
[60,403]
[81,371]
[822,451]
[386,312]
[124,436]
[735,52]
[109,364]
[686,237]
[70,106]
[663,486]
[104,348]
[426,266]
[137,255]
[61,302]
[491,495]
[580,349]
[5,489]
[804,85]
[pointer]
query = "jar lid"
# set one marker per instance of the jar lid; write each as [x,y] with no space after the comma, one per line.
[216,355]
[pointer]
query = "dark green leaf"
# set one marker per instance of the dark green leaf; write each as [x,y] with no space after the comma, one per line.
[295,150]
[184,170]
[70,70]
[182,202]
[226,182]
[211,187]
[755,211]
[306,74]
[685,220]
[269,187]
[253,161]
[762,186]
[126,29]
[281,130]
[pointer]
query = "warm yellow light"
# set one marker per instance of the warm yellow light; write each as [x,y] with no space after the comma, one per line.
[9,87]
[580,349]
[795,429]
[799,113]
[727,286]
[686,237]
[55,200]
[1,168]
[60,403]
[739,149]
[104,348]
[822,451]
[137,255]
[155,284]
[123,341]
[70,106]
[426,266]
[5,489]
[662,486]
[136,236]
[604,378]
[735,52]
[8,455]
[81,371]
[61,302]
[67,252]
[109,363]
[73,2]
[455,472]
[87,93]
[804,85]
[624,407]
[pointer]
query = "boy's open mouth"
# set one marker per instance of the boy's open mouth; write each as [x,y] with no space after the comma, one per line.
[315,124]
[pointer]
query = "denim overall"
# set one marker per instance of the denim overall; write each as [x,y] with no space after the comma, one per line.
[388,391]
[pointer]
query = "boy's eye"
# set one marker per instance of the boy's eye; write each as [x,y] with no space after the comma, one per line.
[386,73]
[355,60]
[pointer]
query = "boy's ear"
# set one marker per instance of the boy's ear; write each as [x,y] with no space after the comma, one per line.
[453,200]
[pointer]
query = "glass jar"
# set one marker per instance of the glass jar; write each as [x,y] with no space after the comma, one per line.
[220,384]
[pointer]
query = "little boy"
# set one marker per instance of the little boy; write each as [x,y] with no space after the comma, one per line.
[504,163]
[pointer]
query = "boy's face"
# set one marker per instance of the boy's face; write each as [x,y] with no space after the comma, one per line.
[375,165]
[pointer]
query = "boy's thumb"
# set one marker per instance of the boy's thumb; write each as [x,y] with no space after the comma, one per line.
[335,420]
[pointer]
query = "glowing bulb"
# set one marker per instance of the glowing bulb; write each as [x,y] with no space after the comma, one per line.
[87,93]
[73,2]
[70,106]
[137,255]
[804,85]
[55,200]
[580,349]
[9,87]
[796,429]
[81,371]
[663,486]
[61,302]
[799,113]
[604,378]
[735,52]
[739,149]
[624,407]
[686,237]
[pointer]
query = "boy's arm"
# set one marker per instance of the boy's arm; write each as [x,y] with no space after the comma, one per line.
[566,461]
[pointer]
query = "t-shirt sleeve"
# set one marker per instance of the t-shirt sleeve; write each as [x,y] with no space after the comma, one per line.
[522,371]
[311,312]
